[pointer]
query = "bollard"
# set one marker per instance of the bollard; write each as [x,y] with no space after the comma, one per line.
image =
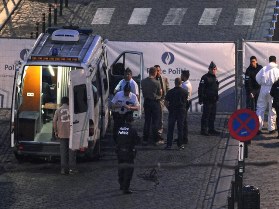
[273,24]
[37,29]
[277,3]
[274,17]
[233,191]
[61,8]
[271,31]
[31,35]
[49,15]
[66,3]
[276,9]
[269,37]
[44,22]
[55,15]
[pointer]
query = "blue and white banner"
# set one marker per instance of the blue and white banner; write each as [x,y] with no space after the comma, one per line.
[195,57]
[12,50]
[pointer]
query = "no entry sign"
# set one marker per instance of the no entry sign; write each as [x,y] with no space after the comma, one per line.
[243,124]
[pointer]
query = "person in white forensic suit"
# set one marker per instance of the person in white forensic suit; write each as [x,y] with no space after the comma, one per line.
[266,77]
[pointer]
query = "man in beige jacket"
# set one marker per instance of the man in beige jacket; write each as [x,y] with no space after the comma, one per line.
[61,127]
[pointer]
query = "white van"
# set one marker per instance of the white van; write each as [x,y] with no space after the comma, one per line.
[63,62]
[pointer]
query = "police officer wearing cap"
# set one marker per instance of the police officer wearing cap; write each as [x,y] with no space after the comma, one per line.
[123,104]
[126,140]
[208,96]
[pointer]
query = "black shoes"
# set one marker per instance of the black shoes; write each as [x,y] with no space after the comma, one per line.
[128,191]
[272,132]
[181,147]
[167,148]
[205,133]
[214,132]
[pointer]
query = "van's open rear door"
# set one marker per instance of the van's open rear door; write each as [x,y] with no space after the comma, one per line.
[79,109]
[133,60]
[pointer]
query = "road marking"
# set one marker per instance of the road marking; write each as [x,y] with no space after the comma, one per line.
[139,16]
[102,16]
[245,16]
[174,16]
[210,16]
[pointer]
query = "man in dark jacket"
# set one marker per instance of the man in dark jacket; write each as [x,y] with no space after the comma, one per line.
[274,92]
[208,96]
[126,140]
[176,102]
[251,86]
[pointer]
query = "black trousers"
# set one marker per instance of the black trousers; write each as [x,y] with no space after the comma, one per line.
[152,111]
[208,116]
[277,119]
[251,103]
[176,116]
[185,128]
[125,174]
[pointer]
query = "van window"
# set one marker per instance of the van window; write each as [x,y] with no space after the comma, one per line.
[80,99]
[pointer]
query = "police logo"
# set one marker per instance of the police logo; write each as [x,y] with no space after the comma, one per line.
[167,58]
[23,54]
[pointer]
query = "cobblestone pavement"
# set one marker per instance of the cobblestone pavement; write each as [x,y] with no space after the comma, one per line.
[187,179]
[261,169]
[81,13]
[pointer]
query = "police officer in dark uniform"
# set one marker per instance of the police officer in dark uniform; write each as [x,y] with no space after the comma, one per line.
[251,85]
[208,96]
[126,140]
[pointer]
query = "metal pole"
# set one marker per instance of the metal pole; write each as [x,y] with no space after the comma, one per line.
[37,29]
[66,3]
[55,13]
[61,8]
[31,35]
[49,15]
[44,22]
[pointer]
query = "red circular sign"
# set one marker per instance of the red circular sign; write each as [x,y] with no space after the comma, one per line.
[243,124]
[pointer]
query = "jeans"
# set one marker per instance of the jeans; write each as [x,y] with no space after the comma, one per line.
[68,156]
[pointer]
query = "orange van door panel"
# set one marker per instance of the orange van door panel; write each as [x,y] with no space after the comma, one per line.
[31,92]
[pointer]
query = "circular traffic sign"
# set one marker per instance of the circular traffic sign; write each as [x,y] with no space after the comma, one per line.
[243,125]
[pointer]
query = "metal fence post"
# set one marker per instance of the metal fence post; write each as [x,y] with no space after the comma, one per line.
[61,8]
[49,15]
[44,22]
[55,13]
[37,29]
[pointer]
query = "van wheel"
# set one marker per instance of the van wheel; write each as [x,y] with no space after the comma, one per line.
[19,158]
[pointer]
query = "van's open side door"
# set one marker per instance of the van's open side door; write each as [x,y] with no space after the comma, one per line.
[79,109]
[133,60]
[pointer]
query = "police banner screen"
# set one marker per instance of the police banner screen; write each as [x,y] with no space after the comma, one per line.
[11,50]
[195,57]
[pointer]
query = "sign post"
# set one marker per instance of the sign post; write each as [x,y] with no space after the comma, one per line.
[243,126]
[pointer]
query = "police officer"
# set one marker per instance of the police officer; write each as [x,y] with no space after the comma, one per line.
[126,140]
[123,104]
[251,85]
[208,96]
[274,92]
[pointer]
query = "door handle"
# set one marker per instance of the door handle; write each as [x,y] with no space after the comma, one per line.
[75,122]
